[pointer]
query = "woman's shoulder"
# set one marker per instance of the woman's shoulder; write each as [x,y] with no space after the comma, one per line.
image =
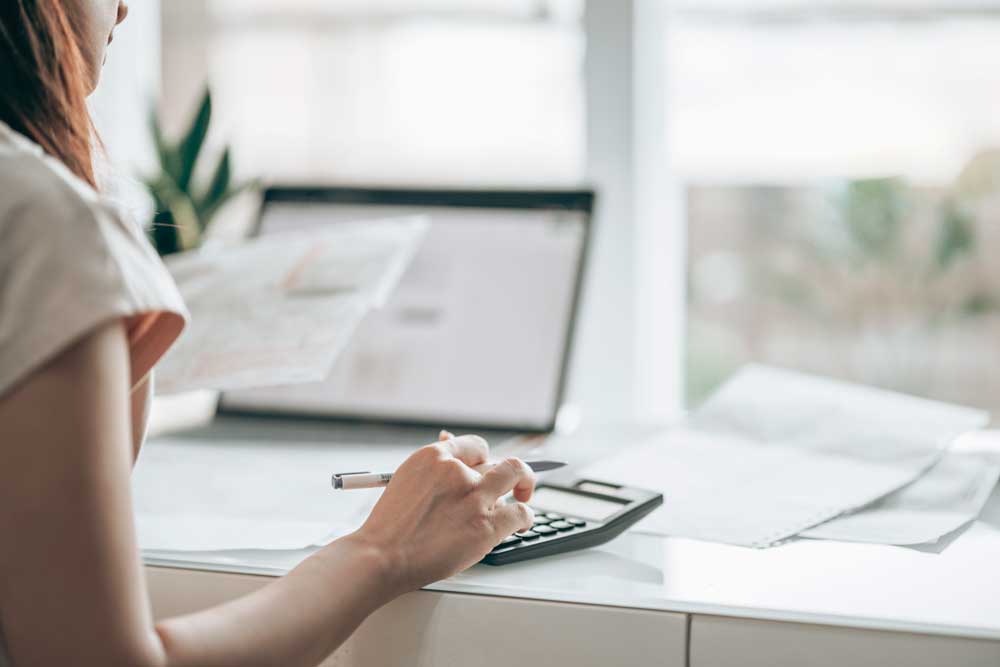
[71,259]
[38,194]
[45,205]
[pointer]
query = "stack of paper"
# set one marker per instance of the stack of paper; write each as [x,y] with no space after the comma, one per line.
[280,309]
[775,453]
[948,496]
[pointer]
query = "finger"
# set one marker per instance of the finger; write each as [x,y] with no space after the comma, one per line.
[511,474]
[445,435]
[508,518]
[469,449]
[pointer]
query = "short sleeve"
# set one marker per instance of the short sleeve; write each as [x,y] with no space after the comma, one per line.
[68,265]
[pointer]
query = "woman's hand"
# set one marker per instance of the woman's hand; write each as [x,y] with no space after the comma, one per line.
[439,516]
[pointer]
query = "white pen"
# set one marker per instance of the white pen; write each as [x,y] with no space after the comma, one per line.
[347,481]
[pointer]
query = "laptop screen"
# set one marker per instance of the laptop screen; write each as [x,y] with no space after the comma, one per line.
[478,331]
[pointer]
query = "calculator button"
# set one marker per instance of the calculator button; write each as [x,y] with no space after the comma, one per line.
[542,520]
[555,517]
[527,535]
[507,542]
[544,530]
[579,523]
[561,525]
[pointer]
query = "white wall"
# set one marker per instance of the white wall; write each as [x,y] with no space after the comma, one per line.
[129,84]
[629,362]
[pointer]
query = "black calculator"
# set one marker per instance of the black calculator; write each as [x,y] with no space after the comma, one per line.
[578,515]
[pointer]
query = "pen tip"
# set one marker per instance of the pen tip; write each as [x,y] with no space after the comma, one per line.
[545,466]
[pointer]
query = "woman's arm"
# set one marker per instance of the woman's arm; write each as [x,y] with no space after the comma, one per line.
[72,589]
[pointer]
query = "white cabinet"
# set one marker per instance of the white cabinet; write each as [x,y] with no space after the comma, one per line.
[718,641]
[431,629]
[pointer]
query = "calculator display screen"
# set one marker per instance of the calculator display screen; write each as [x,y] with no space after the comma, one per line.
[574,504]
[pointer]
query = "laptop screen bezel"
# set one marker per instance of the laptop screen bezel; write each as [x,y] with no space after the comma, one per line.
[580,200]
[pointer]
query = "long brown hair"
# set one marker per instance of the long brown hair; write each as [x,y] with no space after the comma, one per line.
[44,82]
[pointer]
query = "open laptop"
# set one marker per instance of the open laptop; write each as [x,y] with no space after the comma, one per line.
[477,336]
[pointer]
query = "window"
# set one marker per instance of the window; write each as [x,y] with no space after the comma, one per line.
[841,189]
[401,91]
[475,93]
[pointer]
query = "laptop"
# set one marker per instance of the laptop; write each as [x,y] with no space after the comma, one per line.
[476,338]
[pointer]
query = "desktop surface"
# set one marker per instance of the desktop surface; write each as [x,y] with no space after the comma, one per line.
[827,583]
[950,593]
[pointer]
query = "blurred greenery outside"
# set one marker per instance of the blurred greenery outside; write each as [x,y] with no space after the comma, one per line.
[875,281]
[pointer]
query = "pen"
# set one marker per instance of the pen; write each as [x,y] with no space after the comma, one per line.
[347,481]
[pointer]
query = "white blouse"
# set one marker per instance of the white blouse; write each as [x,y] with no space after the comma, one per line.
[70,262]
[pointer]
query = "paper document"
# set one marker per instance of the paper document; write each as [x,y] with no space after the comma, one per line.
[212,495]
[279,309]
[774,452]
[947,497]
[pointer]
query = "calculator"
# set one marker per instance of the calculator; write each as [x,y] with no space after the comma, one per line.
[578,515]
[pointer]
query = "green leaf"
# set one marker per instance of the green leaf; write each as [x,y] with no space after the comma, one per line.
[218,188]
[978,304]
[956,235]
[163,234]
[153,187]
[170,160]
[173,200]
[186,218]
[191,145]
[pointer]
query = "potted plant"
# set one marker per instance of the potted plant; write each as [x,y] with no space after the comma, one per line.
[184,208]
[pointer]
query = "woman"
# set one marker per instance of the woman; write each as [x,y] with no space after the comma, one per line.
[86,310]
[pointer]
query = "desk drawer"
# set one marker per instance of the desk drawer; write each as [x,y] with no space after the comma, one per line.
[723,642]
[432,629]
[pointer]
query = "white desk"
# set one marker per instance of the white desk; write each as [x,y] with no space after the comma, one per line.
[649,600]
